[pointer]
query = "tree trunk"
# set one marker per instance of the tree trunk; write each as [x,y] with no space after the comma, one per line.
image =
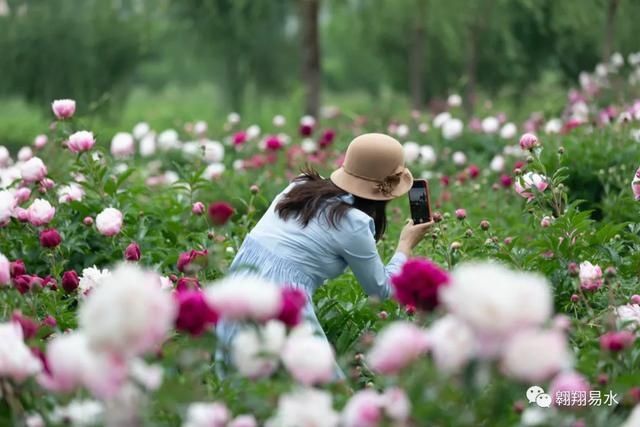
[311,66]
[609,29]
[417,56]
[478,21]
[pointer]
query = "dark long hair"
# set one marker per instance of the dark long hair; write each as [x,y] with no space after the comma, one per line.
[316,195]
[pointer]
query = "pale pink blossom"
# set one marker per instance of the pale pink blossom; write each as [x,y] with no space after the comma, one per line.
[5,270]
[305,407]
[63,108]
[243,421]
[5,156]
[40,141]
[245,296]
[127,315]
[397,345]
[396,404]
[8,205]
[308,357]
[33,170]
[40,212]
[22,194]
[635,185]
[109,222]
[364,409]
[628,315]
[81,141]
[590,276]
[70,193]
[122,145]
[570,383]
[16,360]
[451,343]
[25,154]
[256,354]
[202,414]
[533,356]
[526,184]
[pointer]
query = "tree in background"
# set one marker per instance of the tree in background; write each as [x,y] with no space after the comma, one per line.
[311,58]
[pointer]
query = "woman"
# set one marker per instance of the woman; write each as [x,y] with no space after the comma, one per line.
[317,227]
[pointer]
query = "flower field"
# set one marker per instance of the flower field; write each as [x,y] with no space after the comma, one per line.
[520,307]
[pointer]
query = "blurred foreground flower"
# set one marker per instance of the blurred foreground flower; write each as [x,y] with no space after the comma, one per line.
[63,108]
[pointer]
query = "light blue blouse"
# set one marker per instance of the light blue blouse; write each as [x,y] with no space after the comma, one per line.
[289,254]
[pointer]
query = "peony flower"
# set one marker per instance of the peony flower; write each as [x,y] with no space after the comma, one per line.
[194,315]
[132,252]
[148,145]
[309,358]
[496,301]
[198,208]
[567,383]
[428,155]
[192,260]
[25,153]
[454,100]
[70,193]
[418,283]
[5,270]
[239,138]
[129,314]
[213,151]
[304,407]
[63,108]
[451,129]
[243,421]
[50,238]
[168,140]
[123,145]
[79,413]
[273,143]
[8,204]
[141,130]
[451,342]
[490,125]
[72,364]
[528,141]
[364,409]
[255,354]
[91,277]
[40,212]
[628,315]
[411,151]
[5,156]
[187,283]
[81,141]
[508,131]
[293,302]
[529,181]
[245,296]
[16,360]
[33,170]
[397,345]
[40,141]
[17,268]
[459,158]
[635,185]
[28,325]
[533,356]
[590,276]
[220,212]
[207,415]
[109,222]
[441,119]
[616,341]
[545,222]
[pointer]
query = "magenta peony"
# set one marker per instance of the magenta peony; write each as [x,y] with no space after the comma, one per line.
[220,212]
[50,238]
[418,283]
[132,252]
[192,260]
[293,302]
[616,341]
[194,315]
[28,325]
[70,281]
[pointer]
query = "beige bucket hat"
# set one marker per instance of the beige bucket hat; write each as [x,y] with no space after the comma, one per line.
[373,168]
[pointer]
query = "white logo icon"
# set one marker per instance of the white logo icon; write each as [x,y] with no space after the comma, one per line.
[536,394]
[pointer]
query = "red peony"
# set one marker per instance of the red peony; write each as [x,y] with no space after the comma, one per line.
[186,259]
[220,212]
[418,283]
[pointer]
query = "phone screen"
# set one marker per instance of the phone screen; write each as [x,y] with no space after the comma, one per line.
[419,202]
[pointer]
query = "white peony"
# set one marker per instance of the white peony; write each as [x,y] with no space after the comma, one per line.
[200,127]
[451,342]
[428,155]
[534,356]
[454,100]
[25,153]
[83,413]
[253,131]
[496,301]
[411,151]
[245,296]
[459,158]
[16,360]
[202,414]
[629,315]
[70,193]
[122,145]
[441,119]
[308,357]
[508,131]
[148,145]
[255,353]
[497,163]
[553,126]
[5,156]
[129,314]
[213,151]
[8,204]
[452,129]
[308,145]
[168,140]
[490,125]
[91,277]
[141,130]
[233,118]
[213,171]
[305,407]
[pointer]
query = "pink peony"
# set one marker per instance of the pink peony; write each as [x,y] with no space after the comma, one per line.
[273,143]
[590,276]
[17,268]
[63,108]
[461,213]
[397,345]
[22,194]
[327,138]
[207,415]
[40,212]
[418,283]
[308,357]
[50,238]
[109,222]
[187,283]
[239,138]
[198,208]
[220,212]
[192,260]
[81,141]
[40,141]
[132,252]
[5,270]
[528,182]
[243,421]
[364,409]
[33,170]
[194,315]
[16,360]
[245,296]
[616,341]
[635,185]
[567,383]
[528,141]
[28,325]
[293,302]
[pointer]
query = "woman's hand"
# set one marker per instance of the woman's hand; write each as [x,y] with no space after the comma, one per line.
[411,235]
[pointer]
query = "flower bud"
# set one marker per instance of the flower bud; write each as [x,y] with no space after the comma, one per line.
[50,238]
[545,222]
[575,298]
[198,208]
[456,246]
[254,189]
[635,299]
[610,271]
[573,269]
[132,252]
[70,281]
[603,379]
[87,221]
[468,233]
[484,224]
[383,315]
[528,141]
[437,217]
[461,213]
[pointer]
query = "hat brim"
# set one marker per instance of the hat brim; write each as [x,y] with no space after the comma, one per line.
[367,189]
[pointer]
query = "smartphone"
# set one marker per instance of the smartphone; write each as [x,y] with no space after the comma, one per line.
[419,202]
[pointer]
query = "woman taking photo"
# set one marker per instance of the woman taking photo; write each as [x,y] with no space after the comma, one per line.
[316,227]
